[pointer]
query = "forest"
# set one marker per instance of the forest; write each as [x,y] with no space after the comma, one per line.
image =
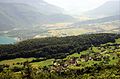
[89,56]
[54,47]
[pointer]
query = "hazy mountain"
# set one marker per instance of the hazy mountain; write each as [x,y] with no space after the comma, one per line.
[100,20]
[15,15]
[40,5]
[21,13]
[109,8]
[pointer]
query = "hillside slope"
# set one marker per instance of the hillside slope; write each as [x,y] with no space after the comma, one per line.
[109,8]
[40,5]
[54,47]
[28,13]
[99,20]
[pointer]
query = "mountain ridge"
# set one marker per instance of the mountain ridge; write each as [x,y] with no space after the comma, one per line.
[99,20]
[39,5]
[109,8]
[20,14]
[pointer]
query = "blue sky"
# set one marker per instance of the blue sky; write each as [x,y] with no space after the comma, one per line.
[75,6]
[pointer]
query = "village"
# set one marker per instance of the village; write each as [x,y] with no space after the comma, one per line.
[108,54]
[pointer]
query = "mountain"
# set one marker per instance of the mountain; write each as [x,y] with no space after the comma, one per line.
[40,5]
[109,8]
[15,15]
[28,13]
[100,20]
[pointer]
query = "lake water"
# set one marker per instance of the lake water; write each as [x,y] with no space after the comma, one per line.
[7,40]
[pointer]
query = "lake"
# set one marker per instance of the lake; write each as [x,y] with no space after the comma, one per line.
[7,40]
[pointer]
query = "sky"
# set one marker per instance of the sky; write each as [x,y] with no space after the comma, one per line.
[75,6]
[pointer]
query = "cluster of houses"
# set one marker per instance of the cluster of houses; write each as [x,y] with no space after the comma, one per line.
[104,56]
[61,65]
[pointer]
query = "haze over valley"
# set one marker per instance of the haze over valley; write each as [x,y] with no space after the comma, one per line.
[38,18]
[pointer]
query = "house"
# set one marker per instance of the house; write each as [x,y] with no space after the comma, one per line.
[84,58]
[73,61]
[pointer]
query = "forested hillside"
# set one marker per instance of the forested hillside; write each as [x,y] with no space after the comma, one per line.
[93,56]
[54,47]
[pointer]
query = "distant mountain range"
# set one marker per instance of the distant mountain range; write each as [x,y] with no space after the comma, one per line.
[100,20]
[40,5]
[27,13]
[109,8]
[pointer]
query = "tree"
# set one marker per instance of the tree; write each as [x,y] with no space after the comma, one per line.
[27,72]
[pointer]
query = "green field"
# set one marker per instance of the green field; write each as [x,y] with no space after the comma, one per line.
[43,63]
[102,52]
[15,62]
